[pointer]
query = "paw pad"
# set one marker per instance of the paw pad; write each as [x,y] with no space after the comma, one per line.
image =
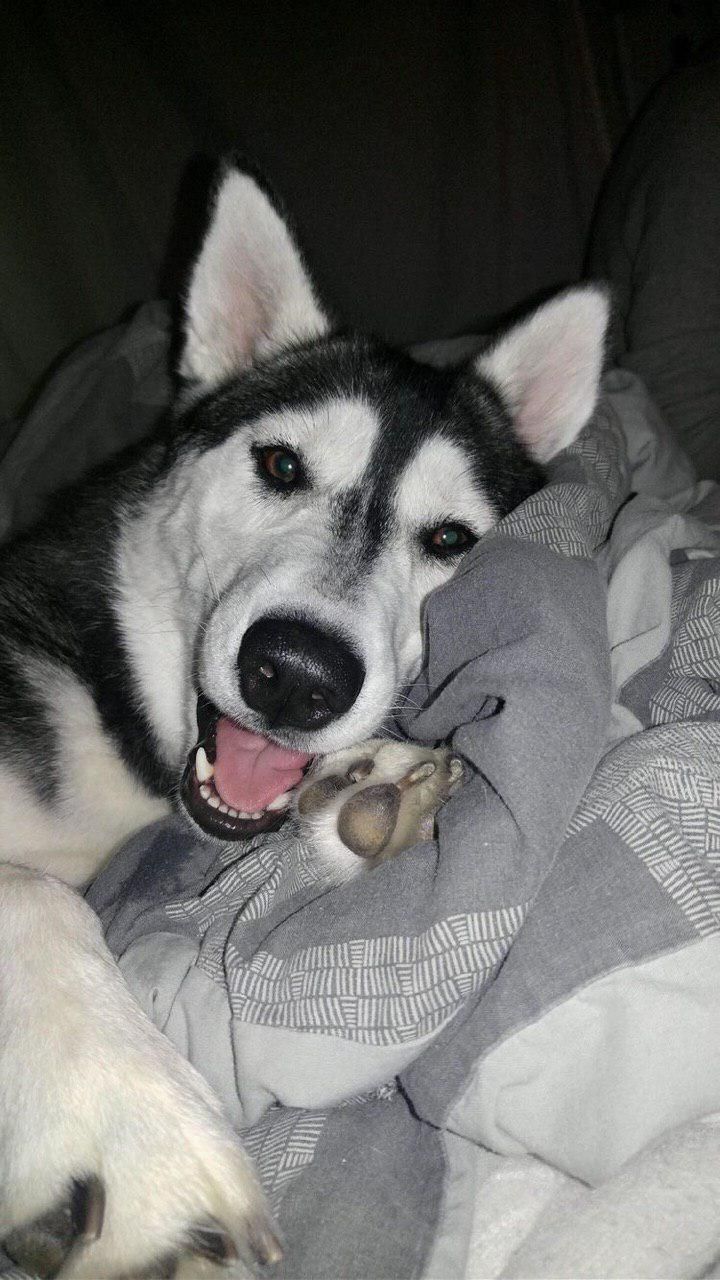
[376,803]
[44,1246]
[367,820]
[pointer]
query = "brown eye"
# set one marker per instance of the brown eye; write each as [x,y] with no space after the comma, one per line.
[448,540]
[281,466]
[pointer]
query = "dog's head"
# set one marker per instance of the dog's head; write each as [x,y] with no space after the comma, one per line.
[332,484]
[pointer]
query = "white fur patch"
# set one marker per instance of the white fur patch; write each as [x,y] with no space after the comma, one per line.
[99,805]
[162,591]
[439,486]
[547,369]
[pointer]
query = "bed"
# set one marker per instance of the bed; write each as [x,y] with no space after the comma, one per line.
[494,1055]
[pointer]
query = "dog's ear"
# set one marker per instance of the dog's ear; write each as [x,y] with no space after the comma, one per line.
[249,294]
[547,369]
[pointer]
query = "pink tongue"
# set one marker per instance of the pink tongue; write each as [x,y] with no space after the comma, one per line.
[250,771]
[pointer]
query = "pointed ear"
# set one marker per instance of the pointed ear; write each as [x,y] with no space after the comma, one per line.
[547,369]
[249,294]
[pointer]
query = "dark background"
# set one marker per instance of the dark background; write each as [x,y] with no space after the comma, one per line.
[442,160]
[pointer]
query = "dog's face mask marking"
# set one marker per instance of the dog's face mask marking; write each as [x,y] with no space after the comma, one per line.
[320,583]
[323,486]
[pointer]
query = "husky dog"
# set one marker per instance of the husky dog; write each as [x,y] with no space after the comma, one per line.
[194,625]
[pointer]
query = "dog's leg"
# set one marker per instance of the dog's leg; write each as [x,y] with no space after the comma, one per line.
[92,1095]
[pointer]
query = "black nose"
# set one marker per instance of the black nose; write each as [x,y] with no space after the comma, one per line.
[297,675]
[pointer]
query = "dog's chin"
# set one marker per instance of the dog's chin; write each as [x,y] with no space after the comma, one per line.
[203,803]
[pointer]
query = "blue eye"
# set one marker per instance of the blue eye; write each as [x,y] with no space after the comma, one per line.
[448,540]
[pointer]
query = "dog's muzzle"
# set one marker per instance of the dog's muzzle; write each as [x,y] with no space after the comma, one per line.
[238,782]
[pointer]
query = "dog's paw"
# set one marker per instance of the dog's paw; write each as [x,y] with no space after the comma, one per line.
[162,1184]
[56,1243]
[115,1156]
[359,807]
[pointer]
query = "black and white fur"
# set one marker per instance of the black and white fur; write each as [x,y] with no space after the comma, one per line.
[135,594]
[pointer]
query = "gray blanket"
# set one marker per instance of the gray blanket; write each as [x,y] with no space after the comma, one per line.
[538,981]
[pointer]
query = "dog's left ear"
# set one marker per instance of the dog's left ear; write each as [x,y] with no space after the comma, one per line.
[249,293]
[547,369]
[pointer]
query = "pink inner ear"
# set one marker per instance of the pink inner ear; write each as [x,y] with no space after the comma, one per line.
[228,299]
[244,320]
[225,316]
[548,370]
[547,403]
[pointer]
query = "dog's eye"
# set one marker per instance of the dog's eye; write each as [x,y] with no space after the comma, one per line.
[448,540]
[279,465]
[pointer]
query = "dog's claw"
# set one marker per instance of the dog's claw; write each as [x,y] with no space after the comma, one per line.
[362,768]
[420,773]
[87,1209]
[213,1242]
[259,1246]
[264,1244]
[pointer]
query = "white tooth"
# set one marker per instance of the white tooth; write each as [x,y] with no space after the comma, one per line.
[242,815]
[203,767]
[257,815]
[214,802]
[280,802]
[224,808]
[205,791]
[233,813]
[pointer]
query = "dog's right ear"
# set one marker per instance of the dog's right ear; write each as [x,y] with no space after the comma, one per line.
[547,369]
[249,293]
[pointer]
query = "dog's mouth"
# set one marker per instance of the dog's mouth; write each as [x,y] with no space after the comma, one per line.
[236,783]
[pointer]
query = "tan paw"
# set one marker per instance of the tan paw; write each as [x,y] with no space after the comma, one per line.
[359,807]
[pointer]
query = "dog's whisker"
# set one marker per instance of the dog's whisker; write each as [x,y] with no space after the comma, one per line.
[390,733]
[405,698]
[210,577]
